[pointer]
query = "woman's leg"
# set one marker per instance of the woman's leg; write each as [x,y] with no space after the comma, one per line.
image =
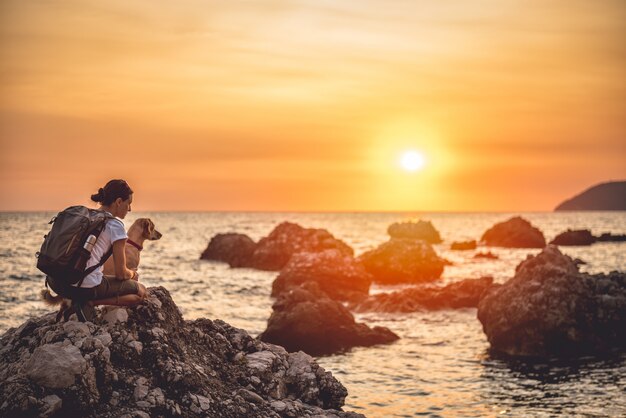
[123,300]
[119,293]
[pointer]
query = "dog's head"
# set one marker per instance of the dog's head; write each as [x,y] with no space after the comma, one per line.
[148,230]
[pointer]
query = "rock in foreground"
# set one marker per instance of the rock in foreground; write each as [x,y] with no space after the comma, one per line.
[517,232]
[549,308]
[306,319]
[423,230]
[147,361]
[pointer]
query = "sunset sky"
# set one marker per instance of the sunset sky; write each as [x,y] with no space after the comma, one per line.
[310,105]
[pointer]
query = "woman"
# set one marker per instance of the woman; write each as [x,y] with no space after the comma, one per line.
[123,289]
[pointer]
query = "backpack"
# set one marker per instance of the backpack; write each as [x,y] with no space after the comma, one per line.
[62,256]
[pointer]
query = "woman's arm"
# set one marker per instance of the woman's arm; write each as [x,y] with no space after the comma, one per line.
[119,259]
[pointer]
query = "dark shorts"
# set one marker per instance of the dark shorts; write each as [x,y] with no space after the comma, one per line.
[108,288]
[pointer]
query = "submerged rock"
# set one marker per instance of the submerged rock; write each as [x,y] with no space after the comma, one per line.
[157,364]
[517,232]
[488,255]
[463,246]
[234,249]
[577,237]
[338,275]
[462,294]
[423,230]
[549,308]
[306,319]
[403,260]
[274,251]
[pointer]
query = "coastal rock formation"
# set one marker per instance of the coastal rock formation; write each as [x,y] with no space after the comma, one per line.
[274,251]
[306,319]
[338,275]
[234,249]
[463,246]
[403,260]
[489,255]
[577,237]
[549,308]
[148,361]
[423,230]
[605,196]
[608,237]
[462,294]
[517,232]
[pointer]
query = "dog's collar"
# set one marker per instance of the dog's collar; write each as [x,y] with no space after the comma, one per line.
[134,244]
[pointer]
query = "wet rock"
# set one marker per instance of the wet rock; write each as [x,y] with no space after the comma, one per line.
[403,260]
[305,318]
[517,232]
[549,308]
[463,246]
[234,249]
[274,251]
[423,230]
[186,368]
[577,237]
[462,294]
[338,275]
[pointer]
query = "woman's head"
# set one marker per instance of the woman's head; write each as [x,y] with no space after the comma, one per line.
[116,196]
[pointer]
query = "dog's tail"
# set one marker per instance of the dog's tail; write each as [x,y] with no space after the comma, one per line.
[47,297]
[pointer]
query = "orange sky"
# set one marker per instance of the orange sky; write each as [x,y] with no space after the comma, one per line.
[308,105]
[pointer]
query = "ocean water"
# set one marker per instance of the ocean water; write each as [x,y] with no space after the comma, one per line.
[441,366]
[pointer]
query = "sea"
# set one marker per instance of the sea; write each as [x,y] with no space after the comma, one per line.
[440,367]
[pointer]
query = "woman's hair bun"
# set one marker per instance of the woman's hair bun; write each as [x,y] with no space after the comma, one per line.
[99,197]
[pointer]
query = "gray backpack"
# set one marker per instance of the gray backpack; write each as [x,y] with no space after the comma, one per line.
[64,252]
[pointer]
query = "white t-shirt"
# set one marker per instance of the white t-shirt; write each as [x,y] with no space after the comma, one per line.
[113,231]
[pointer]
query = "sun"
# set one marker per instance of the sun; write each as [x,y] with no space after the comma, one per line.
[412,160]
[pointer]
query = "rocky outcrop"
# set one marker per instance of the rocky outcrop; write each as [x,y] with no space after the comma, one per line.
[549,308]
[403,260]
[608,237]
[148,361]
[234,249]
[306,319]
[605,196]
[488,255]
[463,246]
[577,237]
[274,251]
[423,230]
[462,294]
[338,275]
[517,232]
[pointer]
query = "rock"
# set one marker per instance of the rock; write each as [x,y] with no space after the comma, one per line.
[462,294]
[305,318]
[113,314]
[577,237]
[186,368]
[608,237]
[403,260]
[488,255]
[234,249]
[274,251]
[604,196]
[338,275]
[517,232]
[463,246]
[549,308]
[423,230]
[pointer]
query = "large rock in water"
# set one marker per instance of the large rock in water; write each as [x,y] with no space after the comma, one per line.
[274,251]
[151,362]
[423,230]
[549,308]
[577,237]
[462,294]
[517,232]
[340,276]
[604,196]
[234,249]
[306,319]
[403,260]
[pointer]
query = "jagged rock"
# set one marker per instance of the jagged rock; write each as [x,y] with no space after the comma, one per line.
[608,237]
[423,230]
[234,249]
[517,232]
[488,255]
[577,237]
[549,308]
[462,294]
[340,276]
[274,251]
[186,368]
[463,246]
[403,260]
[306,319]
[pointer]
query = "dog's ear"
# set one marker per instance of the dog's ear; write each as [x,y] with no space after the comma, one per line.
[147,226]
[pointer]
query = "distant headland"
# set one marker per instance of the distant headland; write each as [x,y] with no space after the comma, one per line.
[604,196]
